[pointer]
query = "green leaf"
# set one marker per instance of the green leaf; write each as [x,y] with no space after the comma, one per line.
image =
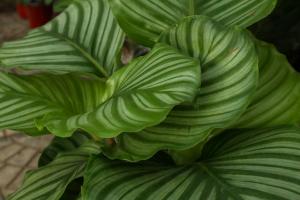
[229,77]
[61,5]
[241,164]
[49,182]
[276,102]
[84,38]
[60,145]
[23,99]
[136,96]
[144,21]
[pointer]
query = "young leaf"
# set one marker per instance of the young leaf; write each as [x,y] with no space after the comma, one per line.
[50,181]
[229,76]
[144,21]
[85,38]
[241,164]
[136,96]
[276,101]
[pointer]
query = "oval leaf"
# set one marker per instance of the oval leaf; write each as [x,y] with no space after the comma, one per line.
[144,21]
[23,99]
[276,101]
[137,96]
[86,38]
[241,164]
[50,181]
[229,76]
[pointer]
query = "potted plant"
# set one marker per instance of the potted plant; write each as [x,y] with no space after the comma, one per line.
[210,112]
[21,9]
[38,12]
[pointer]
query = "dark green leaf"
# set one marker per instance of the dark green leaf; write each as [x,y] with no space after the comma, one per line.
[229,77]
[241,164]
[49,182]
[276,101]
[144,21]
[85,38]
[136,96]
[60,145]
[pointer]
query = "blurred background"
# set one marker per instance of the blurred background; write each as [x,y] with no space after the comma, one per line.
[19,153]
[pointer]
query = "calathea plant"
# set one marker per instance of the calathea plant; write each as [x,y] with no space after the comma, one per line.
[209,113]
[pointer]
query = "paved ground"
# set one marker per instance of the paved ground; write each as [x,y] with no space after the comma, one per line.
[18,153]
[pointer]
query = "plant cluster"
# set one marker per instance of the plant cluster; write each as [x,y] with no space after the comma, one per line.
[210,112]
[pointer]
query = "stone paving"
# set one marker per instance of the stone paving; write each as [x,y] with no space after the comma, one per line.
[18,154]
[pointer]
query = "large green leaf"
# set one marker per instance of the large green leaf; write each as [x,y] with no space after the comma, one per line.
[49,182]
[136,96]
[241,164]
[60,145]
[229,76]
[276,102]
[145,20]
[26,98]
[85,38]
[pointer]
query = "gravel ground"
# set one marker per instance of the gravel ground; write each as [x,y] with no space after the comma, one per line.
[18,152]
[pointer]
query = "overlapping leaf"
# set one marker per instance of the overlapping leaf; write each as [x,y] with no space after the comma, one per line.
[59,145]
[26,98]
[229,77]
[276,100]
[84,38]
[49,182]
[136,96]
[253,165]
[145,20]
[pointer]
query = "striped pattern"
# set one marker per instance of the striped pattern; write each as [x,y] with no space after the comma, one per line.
[138,95]
[49,182]
[276,101]
[144,21]
[229,76]
[84,38]
[244,164]
[235,12]
[61,5]
[60,145]
[23,99]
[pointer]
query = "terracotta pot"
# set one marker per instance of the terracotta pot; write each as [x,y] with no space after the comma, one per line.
[21,9]
[38,14]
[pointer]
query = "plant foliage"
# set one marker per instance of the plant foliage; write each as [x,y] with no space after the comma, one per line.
[210,112]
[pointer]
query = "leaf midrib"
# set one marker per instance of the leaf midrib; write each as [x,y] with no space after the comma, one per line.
[219,181]
[85,54]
